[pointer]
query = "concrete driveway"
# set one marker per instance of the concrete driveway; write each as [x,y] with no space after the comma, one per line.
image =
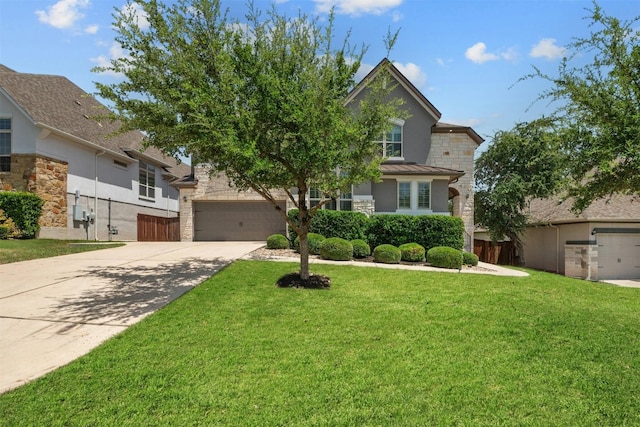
[54,310]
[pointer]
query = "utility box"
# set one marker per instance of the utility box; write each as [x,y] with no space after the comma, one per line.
[78,213]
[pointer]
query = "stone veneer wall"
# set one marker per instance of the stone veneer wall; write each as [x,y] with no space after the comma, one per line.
[45,177]
[456,151]
[212,188]
[581,260]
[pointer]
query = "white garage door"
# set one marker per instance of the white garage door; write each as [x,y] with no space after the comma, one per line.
[618,256]
[228,221]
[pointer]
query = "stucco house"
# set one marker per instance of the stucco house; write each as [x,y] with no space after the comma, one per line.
[429,171]
[603,242]
[93,186]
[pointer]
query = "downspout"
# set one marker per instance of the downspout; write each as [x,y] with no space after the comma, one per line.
[557,247]
[95,195]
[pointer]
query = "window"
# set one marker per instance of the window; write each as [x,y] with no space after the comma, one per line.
[343,203]
[147,179]
[424,195]
[414,195]
[391,144]
[404,195]
[5,145]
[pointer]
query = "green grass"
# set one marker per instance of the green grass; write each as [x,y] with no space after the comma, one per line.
[24,250]
[381,347]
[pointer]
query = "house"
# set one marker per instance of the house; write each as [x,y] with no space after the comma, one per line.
[93,186]
[603,242]
[429,171]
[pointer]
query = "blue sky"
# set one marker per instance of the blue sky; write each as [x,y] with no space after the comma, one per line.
[464,55]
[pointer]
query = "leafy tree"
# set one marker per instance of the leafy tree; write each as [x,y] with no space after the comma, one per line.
[523,163]
[600,109]
[262,101]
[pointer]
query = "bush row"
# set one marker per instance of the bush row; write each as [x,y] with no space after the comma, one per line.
[426,230]
[23,210]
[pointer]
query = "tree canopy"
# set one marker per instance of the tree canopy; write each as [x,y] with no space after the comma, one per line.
[599,109]
[523,163]
[262,100]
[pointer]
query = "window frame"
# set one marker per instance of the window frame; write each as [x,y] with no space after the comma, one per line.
[334,204]
[9,132]
[414,202]
[385,142]
[146,190]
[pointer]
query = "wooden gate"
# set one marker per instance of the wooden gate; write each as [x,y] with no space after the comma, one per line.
[158,229]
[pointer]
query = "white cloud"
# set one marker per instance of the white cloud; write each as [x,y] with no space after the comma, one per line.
[115,52]
[140,15]
[63,14]
[413,73]
[547,48]
[91,29]
[362,72]
[510,54]
[357,7]
[478,54]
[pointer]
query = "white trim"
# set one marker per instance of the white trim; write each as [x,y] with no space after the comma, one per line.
[413,188]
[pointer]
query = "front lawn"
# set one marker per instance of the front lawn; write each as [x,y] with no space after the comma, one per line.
[381,347]
[24,250]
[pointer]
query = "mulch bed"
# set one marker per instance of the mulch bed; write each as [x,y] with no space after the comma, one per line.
[293,280]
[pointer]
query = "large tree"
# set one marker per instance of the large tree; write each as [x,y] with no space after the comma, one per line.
[599,106]
[523,163]
[261,100]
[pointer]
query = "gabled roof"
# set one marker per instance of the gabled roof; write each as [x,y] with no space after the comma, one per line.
[57,105]
[617,208]
[402,80]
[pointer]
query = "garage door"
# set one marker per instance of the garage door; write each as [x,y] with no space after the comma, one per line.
[618,256]
[228,221]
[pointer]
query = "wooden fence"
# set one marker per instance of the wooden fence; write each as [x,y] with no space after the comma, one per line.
[158,229]
[495,253]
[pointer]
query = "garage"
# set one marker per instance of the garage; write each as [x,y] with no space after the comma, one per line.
[236,220]
[618,254]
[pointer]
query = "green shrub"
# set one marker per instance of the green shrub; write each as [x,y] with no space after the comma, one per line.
[445,257]
[314,240]
[361,249]
[12,230]
[24,209]
[277,241]
[4,232]
[336,249]
[345,224]
[387,254]
[426,230]
[469,259]
[412,252]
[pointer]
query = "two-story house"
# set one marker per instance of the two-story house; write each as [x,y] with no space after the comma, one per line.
[429,171]
[93,185]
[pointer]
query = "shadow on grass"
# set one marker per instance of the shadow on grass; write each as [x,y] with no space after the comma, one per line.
[126,294]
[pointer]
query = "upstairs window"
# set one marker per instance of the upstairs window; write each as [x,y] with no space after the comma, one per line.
[147,180]
[5,145]
[391,143]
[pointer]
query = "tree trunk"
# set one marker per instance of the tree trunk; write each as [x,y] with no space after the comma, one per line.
[519,249]
[304,242]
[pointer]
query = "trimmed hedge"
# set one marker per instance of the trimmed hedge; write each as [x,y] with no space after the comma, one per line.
[336,249]
[24,209]
[427,230]
[445,257]
[345,224]
[469,259]
[4,232]
[387,254]
[412,252]
[361,249]
[314,240]
[277,241]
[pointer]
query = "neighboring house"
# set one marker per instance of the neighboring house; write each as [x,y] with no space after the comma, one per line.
[429,171]
[603,242]
[51,146]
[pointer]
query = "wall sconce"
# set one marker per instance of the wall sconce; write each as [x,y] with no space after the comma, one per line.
[466,196]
